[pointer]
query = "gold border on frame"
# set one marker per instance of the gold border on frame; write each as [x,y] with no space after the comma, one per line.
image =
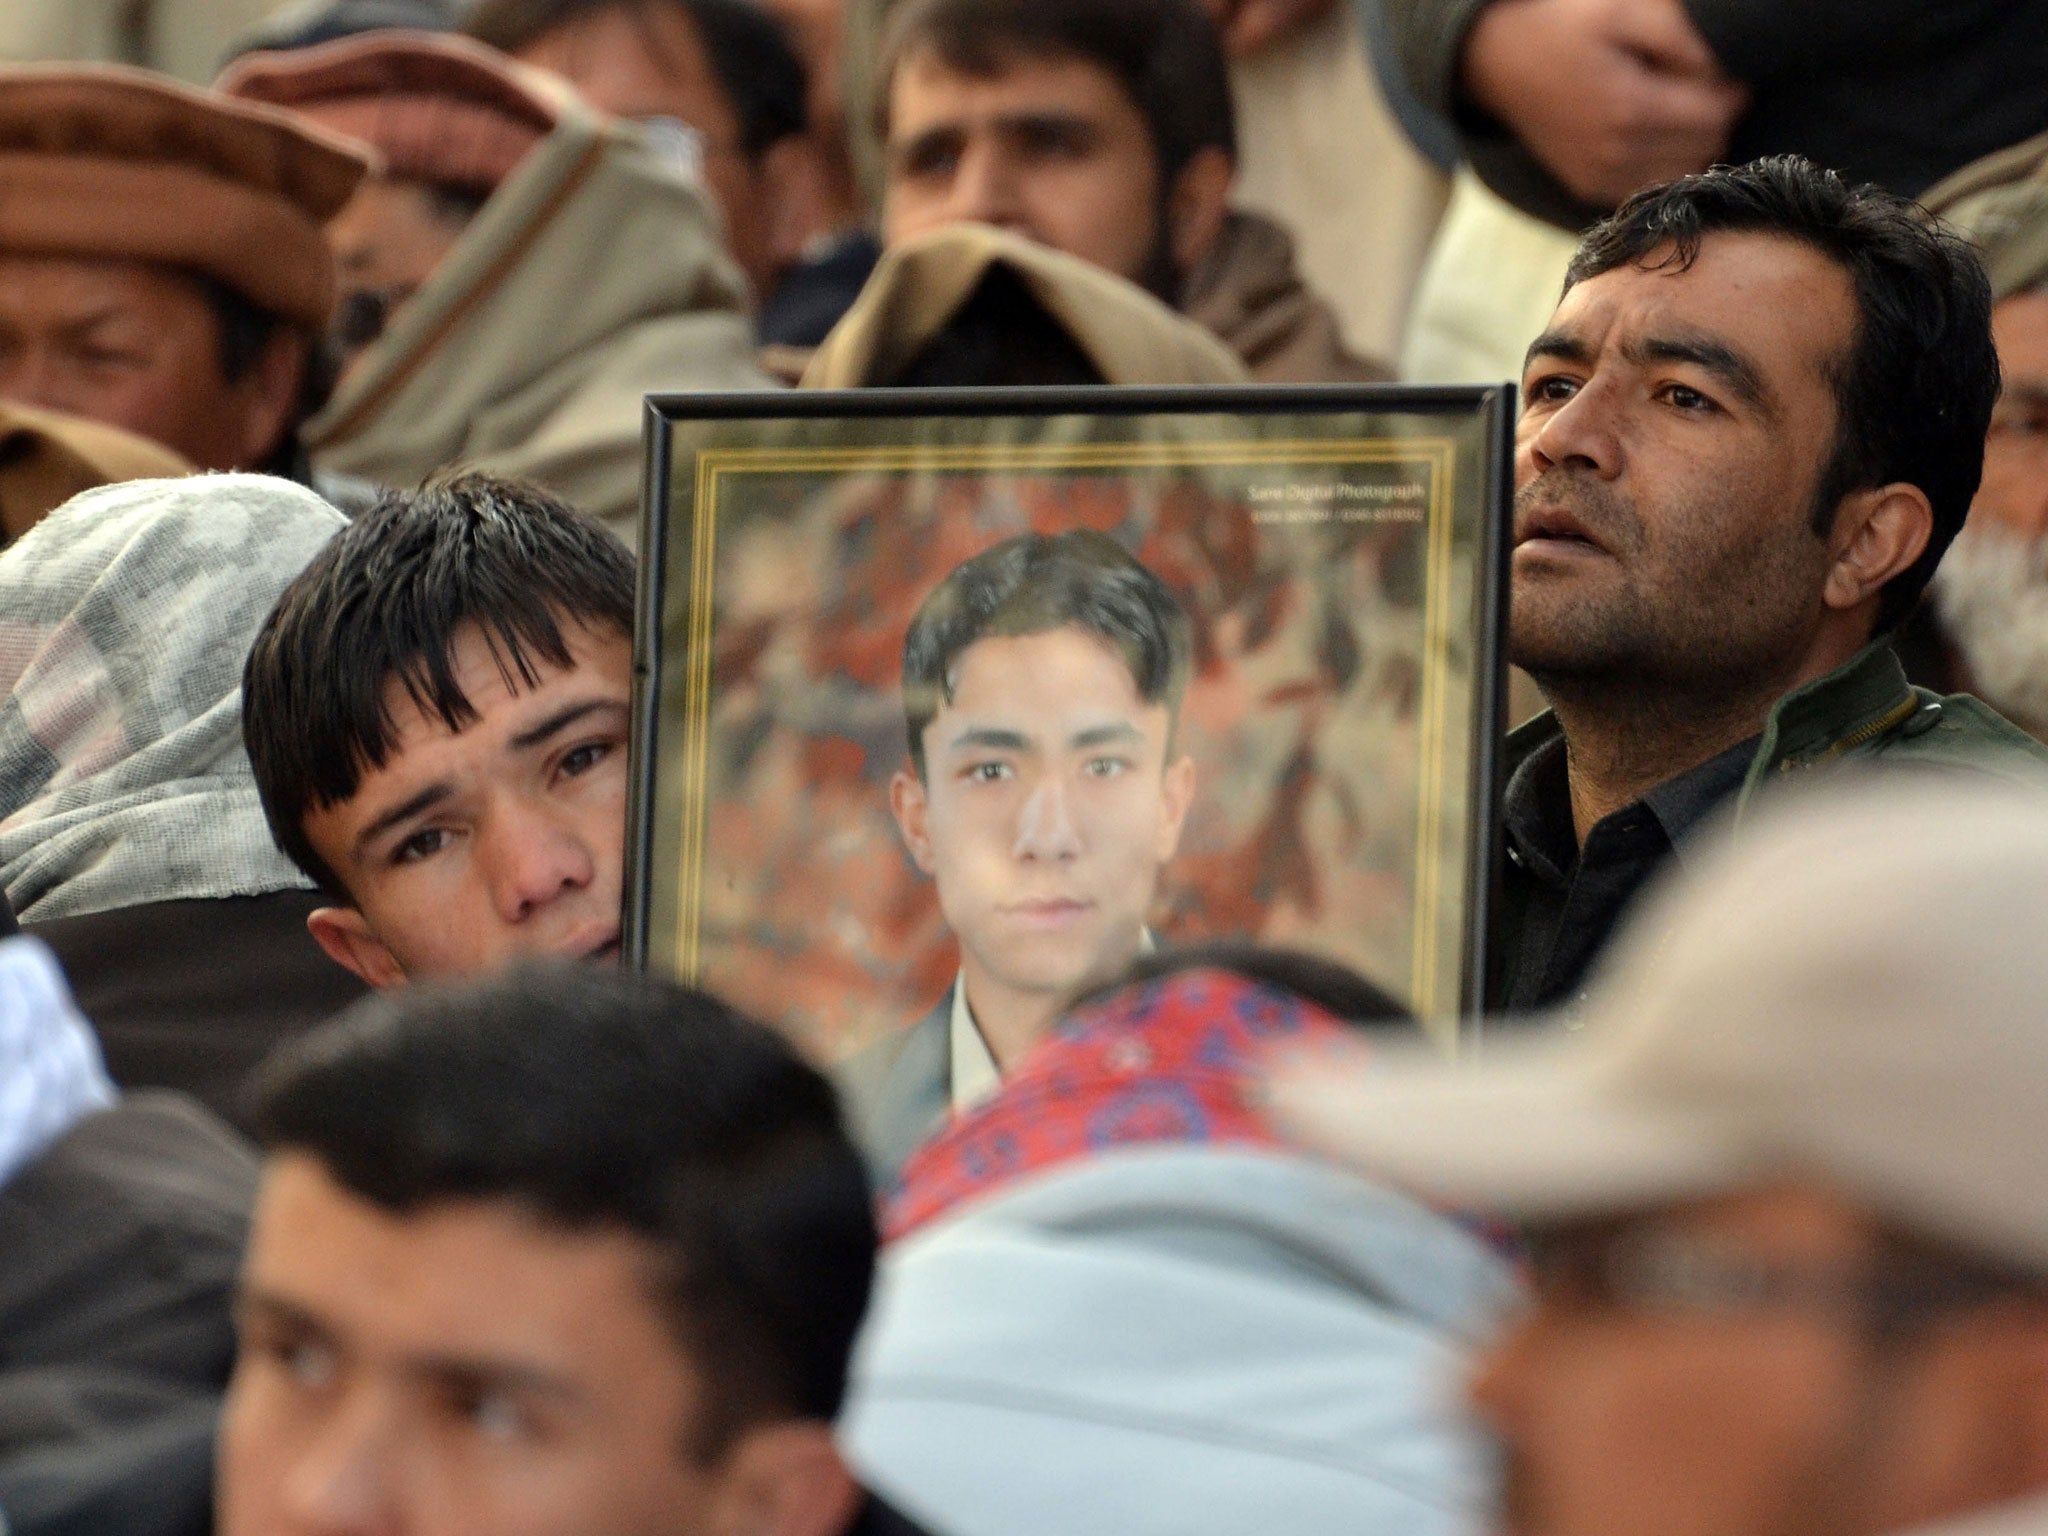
[1438,454]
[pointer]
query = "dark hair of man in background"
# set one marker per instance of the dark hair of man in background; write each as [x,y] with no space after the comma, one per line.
[384,603]
[1001,337]
[1038,582]
[594,1100]
[1166,55]
[749,50]
[243,332]
[1914,395]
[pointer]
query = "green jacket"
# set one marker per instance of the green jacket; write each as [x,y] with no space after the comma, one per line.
[1863,713]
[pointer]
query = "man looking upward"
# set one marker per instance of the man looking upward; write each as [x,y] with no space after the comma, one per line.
[1041,684]
[1753,425]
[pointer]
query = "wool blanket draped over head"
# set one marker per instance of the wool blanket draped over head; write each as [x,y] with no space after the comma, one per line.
[125,618]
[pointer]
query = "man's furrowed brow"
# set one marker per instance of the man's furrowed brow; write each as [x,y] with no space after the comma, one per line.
[425,800]
[568,715]
[1561,345]
[1713,357]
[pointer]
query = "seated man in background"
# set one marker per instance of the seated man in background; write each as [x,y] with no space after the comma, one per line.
[1103,128]
[1985,629]
[566,1252]
[1786,1185]
[162,266]
[1749,433]
[726,69]
[132,840]
[437,714]
[1114,1304]
[536,269]
[1042,683]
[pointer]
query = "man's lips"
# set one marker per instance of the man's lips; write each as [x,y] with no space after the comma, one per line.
[604,948]
[1553,533]
[1551,525]
[1050,912]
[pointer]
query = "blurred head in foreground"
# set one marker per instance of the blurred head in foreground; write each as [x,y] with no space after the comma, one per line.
[1786,1185]
[571,1251]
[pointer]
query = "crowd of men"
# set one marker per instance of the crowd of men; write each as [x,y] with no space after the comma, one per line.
[348,1183]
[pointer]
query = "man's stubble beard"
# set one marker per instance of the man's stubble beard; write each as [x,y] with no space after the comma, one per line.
[1991,594]
[1635,649]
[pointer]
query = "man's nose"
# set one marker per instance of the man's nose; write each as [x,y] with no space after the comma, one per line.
[1046,828]
[531,857]
[1582,433]
[984,188]
[343,1482]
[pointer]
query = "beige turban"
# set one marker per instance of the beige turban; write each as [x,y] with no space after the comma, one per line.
[104,161]
[1128,335]
[2001,202]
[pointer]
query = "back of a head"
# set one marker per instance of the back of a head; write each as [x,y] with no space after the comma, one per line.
[595,1100]
[1166,55]
[382,608]
[1914,394]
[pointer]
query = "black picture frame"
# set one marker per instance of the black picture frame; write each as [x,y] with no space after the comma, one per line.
[1425,471]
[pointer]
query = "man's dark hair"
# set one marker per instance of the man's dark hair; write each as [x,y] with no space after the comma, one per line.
[1166,54]
[749,49]
[1037,582]
[598,1100]
[1001,336]
[385,602]
[243,331]
[1915,390]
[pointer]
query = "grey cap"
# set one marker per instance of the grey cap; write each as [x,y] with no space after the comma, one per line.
[1855,990]
[2001,203]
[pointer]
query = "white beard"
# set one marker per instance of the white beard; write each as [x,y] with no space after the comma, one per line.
[1991,591]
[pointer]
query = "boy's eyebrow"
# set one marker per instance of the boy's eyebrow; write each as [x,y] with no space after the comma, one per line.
[561,720]
[425,800]
[1103,735]
[990,737]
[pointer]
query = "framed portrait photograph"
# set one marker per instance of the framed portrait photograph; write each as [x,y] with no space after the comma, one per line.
[1015,684]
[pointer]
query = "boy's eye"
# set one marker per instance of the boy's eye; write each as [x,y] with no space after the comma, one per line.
[423,844]
[579,760]
[988,773]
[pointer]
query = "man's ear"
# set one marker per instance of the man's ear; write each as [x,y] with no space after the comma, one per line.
[1878,533]
[784,1479]
[1178,793]
[910,803]
[349,943]
[1197,205]
[268,393]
